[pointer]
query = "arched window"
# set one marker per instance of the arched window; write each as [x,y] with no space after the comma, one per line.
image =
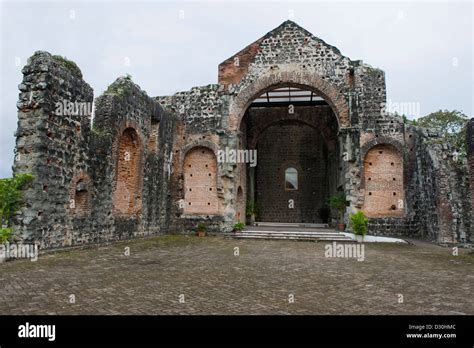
[200,182]
[383,175]
[291,179]
[127,196]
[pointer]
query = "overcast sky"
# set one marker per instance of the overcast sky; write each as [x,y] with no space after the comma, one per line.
[425,48]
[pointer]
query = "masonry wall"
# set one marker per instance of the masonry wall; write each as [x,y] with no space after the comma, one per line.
[131,176]
[85,191]
[52,144]
[289,55]
[307,141]
[76,197]
[438,190]
[300,147]
[199,123]
[470,157]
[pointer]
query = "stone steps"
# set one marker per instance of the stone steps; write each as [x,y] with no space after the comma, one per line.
[293,233]
[290,224]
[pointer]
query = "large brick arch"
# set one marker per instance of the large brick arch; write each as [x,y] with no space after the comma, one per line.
[200,182]
[270,81]
[379,141]
[127,193]
[383,180]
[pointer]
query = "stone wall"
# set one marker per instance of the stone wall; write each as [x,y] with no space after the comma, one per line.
[438,190]
[130,176]
[52,143]
[470,157]
[76,168]
[302,148]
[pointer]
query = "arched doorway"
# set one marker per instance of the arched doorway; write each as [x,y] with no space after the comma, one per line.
[127,194]
[294,132]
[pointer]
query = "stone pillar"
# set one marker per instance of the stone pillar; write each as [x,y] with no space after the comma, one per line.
[470,157]
[52,142]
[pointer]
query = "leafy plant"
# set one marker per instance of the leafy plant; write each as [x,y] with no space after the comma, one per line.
[338,202]
[252,209]
[239,226]
[359,223]
[202,227]
[5,234]
[11,196]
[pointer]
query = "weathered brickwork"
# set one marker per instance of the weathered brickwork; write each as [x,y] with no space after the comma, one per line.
[127,194]
[200,182]
[303,150]
[383,174]
[130,174]
[306,142]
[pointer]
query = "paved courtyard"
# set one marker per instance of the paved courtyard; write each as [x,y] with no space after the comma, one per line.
[190,275]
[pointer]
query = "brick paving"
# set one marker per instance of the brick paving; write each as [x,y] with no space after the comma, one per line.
[258,281]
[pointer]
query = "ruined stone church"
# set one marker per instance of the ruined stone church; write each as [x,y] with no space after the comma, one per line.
[290,120]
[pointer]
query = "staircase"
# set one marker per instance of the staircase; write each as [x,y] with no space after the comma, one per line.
[291,231]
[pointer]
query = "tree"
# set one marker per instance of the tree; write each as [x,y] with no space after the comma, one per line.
[451,123]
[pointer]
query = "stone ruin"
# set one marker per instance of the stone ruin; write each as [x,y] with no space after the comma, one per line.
[134,165]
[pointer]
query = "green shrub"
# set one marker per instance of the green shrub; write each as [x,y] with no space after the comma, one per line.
[5,234]
[202,227]
[338,202]
[239,226]
[11,195]
[252,209]
[359,223]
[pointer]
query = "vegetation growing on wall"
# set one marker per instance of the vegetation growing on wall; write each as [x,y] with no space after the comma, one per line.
[10,199]
[69,64]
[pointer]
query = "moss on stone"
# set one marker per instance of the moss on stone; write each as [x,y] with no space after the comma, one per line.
[101,133]
[69,64]
[121,87]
